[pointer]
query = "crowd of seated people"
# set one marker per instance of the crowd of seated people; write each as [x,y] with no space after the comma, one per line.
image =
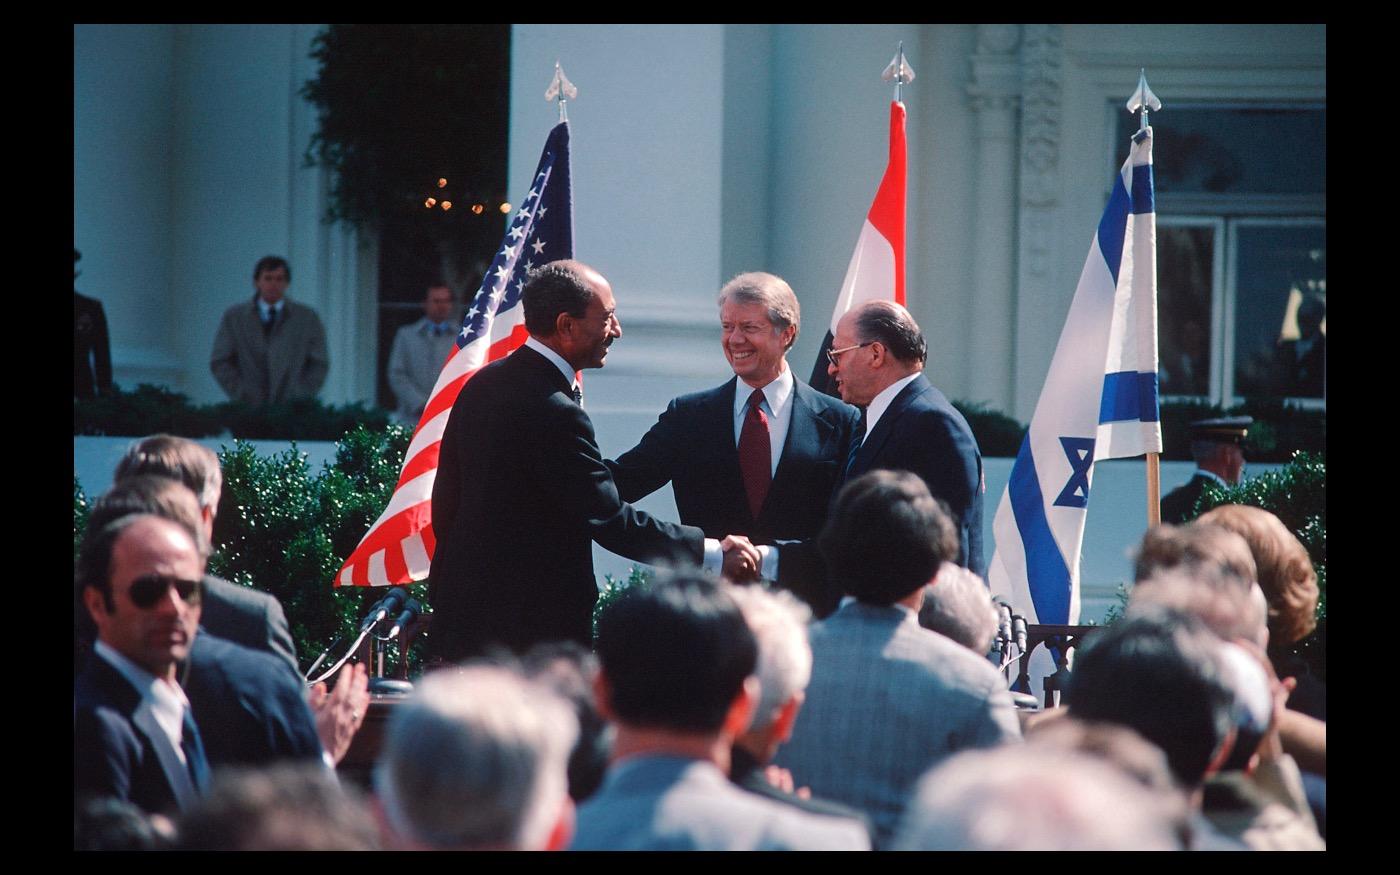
[709,715]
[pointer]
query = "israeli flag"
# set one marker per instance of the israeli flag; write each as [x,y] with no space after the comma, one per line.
[1099,402]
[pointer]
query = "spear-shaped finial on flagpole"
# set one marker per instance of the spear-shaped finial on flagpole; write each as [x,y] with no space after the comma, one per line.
[898,70]
[1143,99]
[562,88]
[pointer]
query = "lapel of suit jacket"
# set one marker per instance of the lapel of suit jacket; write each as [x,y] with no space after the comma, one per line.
[875,440]
[181,784]
[804,439]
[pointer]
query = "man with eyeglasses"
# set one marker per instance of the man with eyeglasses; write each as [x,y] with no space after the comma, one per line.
[760,455]
[877,363]
[133,735]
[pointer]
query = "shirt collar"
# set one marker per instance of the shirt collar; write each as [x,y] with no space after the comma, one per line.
[554,357]
[264,307]
[1202,472]
[777,393]
[162,695]
[881,402]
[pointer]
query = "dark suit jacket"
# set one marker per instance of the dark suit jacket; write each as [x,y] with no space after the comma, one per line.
[922,433]
[92,354]
[692,447]
[1180,504]
[521,492]
[249,710]
[249,617]
[117,753]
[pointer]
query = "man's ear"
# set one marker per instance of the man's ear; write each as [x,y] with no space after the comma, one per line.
[787,717]
[740,714]
[564,325]
[1223,752]
[602,697]
[563,831]
[93,601]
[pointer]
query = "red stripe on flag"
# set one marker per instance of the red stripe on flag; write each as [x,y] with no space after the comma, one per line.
[389,538]
[887,212]
[425,461]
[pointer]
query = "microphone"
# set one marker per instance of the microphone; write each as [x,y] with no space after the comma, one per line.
[411,610]
[1018,628]
[1003,623]
[392,600]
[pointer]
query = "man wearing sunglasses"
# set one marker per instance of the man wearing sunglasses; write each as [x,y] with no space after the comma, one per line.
[133,736]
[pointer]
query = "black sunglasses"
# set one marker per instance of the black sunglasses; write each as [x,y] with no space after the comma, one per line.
[146,591]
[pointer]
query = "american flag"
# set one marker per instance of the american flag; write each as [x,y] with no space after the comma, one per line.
[398,548]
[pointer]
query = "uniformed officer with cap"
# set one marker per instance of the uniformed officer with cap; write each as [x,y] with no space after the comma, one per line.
[1216,447]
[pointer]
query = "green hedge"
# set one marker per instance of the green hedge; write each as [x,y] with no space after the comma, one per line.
[1295,493]
[285,529]
[153,409]
[1278,432]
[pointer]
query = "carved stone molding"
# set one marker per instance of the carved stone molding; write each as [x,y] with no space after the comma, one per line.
[1042,60]
[995,83]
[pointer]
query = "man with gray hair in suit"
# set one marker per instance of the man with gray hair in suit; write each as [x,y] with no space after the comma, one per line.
[958,606]
[778,621]
[477,759]
[889,699]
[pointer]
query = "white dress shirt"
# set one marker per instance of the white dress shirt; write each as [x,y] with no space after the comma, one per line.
[164,699]
[777,403]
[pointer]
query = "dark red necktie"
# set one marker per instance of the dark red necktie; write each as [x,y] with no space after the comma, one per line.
[755,454]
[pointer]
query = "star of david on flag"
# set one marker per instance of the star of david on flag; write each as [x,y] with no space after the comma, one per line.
[1099,402]
[398,548]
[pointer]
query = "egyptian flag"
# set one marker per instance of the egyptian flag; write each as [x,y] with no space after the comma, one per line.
[877,266]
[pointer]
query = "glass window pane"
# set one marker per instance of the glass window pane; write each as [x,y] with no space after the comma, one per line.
[1281,311]
[1184,258]
[1236,150]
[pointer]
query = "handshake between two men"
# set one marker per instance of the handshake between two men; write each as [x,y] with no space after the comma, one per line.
[742,559]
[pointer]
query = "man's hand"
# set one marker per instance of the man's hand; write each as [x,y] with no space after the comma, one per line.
[1271,746]
[741,558]
[781,778]
[339,714]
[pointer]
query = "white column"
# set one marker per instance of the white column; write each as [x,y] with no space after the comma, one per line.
[994,95]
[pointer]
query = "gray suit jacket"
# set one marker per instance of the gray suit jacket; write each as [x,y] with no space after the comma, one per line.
[249,617]
[415,361]
[888,700]
[259,369]
[662,803]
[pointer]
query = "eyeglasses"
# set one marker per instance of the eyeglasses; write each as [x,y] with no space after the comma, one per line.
[832,354]
[146,591]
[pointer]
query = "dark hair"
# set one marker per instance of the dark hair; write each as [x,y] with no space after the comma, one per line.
[551,289]
[886,536]
[271,262]
[568,668]
[1157,673]
[287,807]
[892,326]
[107,824]
[676,653]
[95,559]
